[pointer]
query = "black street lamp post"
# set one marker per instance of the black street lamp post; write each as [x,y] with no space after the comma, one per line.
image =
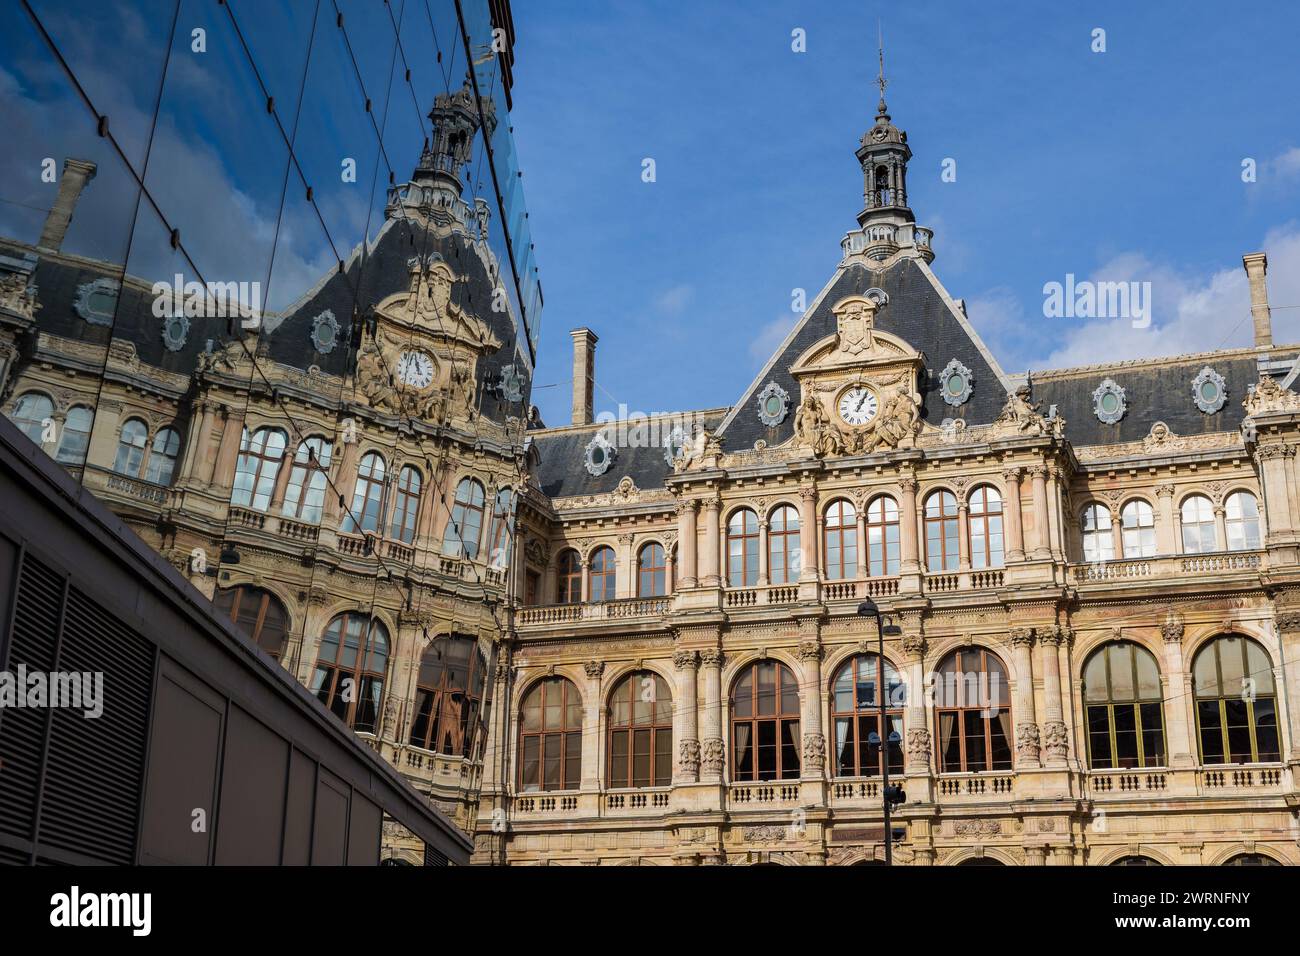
[889,795]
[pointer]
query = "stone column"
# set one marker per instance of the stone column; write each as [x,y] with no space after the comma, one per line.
[1220,527]
[103,434]
[1028,749]
[223,472]
[916,729]
[685,727]
[584,586]
[808,542]
[1175,688]
[198,441]
[1056,741]
[1166,535]
[343,479]
[1042,539]
[688,539]
[282,481]
[910,561]
[1015,529]
[813,764]
[1116,534]
[1055,482]
[591,730]
[1288,627]
[709,577]
[764,556]
[864,553]
[625,568]
[713,752]
[963,536]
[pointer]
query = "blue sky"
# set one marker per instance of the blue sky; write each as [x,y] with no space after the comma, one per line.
[1117,165]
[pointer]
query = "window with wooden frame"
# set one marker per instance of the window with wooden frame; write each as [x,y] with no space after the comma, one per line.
[465,529]
[568,578]
[304,496]
[1096,535]
[783,555]
[1241,520]
[162,456]
[765,736]
[640,732]
[550,737]
[502,530]
[406,505]
[449,696]
[75,440]
[1122,702]
[984,525]
[260,455]
[602,575]
[131,443]
[31,412]
[350,669]
[1236,702]
[367,508]
[1197,519]
[840,540]
[1138,529]
[942,551]
[742,549]
[883,535]
[855,717]
[651,571]
[258,613]
[973,712]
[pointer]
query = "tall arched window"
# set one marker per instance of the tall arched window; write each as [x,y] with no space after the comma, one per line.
[449,696]
[368,496]
[984,520]
[972,709]
[256,470]
[131,443]
[840,526]
[304,497]
[465,529]
[1138,529]
[1135,861]
[651,571]
[568,578]
[641,732]
[742,549]
[29,414]
[1098,539]
[502,531]
[765,723]
[406,505]
[882,536]
[602,575]
[550,737]
[257,613]
[783,546]
[941,531]
[1121,693]
[75,439]
[1236,702]
[855,714]
[350,669]
[1252,859]
[1241,517]
[162,456]
[1198,525]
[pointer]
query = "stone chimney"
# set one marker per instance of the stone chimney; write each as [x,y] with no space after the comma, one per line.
[584,374]
[1256,264]
[76,174]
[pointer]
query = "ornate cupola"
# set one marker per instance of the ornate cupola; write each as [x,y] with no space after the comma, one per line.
[886,221]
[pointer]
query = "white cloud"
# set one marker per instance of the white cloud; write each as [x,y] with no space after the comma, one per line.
[673,301]
[771,335]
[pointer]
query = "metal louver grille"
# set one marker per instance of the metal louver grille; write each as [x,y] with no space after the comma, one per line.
[434,857]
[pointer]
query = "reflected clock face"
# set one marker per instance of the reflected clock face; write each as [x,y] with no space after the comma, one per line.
[858,406]
[415,369]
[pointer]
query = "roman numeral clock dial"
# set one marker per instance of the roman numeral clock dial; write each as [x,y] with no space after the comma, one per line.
[857,406]
[415,369]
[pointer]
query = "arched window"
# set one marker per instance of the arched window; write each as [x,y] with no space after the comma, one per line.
[984,521]
[465,529]
[1122,694]
[406,505]
[783,558]
[972,712]
[257,613]
[1135,861]
[257,468]
[1138,527]
[568,578]
[941,531]
[600,587]
[162,456]
[640,732]
[449,696]
[1098,540]
[981,861]
[503,526]
[855,714]
[841,533]
[29,414]
[1242,521]
[130,448]
[1198,525]
[882,536]
[765,723]
[1251,859]
[651,571]
[75,439]
[550,737]
[742,549]
[350,669]
[1236,702]
[368,496]
[304,497]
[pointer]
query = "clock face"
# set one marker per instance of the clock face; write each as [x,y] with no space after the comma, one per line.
[858,406]
[415,369]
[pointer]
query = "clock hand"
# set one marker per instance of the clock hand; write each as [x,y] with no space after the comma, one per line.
[860,401]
